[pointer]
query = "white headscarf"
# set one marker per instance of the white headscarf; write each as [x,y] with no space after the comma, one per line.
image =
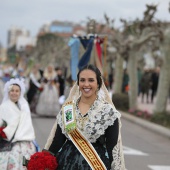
[22,101]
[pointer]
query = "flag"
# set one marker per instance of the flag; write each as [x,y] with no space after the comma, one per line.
[74,44]
[98,54]
[88,45]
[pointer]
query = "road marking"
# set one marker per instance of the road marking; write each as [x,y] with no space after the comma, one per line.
[130,151]
[158,167]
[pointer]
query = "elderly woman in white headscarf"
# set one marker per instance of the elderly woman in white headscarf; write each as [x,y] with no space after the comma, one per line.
[16,126]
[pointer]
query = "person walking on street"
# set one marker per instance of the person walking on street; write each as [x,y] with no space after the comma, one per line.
[35,87]
[154,83]
[61,81]
[145,85]
[87,131]
[15,126]
[48,104]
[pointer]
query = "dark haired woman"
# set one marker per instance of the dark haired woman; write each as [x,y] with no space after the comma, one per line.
[16,126]
[91,138]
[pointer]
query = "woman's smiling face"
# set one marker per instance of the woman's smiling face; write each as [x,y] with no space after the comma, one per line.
[88,83]
[14,93]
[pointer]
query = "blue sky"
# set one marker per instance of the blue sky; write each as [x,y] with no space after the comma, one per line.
[32,14]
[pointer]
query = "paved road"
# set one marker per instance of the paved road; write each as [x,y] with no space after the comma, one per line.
[42,126]
[144,149]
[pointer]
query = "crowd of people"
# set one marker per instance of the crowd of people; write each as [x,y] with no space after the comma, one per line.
[86,111]
[147,83]
[43,87]
[87,131]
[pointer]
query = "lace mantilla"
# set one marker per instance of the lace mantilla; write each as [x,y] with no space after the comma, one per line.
[101,115]
[95,122]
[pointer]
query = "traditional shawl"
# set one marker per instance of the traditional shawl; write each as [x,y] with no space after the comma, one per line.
[117,152]
[50,75]
[19,119]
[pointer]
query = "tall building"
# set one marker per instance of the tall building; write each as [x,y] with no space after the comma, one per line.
[61,27]
[23,42]
[14,33]
[3,54]
[64,29]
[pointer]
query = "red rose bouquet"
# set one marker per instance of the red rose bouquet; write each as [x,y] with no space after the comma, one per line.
[42,161]
[2,134]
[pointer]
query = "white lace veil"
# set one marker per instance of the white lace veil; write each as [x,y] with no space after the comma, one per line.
[102,93]
[73,96]
[23,104]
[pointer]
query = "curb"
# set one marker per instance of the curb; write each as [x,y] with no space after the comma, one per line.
[146,124]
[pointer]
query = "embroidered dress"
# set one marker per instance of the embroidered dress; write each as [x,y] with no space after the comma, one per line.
[18,128]
[13,159]
[23,138]
[70,158]
[93,126]
[48,104]
[101,126]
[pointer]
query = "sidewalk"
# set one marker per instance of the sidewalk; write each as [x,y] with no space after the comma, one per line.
[146,124]
[145,106]
[149,106]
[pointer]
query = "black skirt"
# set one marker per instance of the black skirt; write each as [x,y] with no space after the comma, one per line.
[69,158]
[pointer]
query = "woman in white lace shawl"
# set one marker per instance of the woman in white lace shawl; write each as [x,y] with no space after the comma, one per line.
[96,118]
